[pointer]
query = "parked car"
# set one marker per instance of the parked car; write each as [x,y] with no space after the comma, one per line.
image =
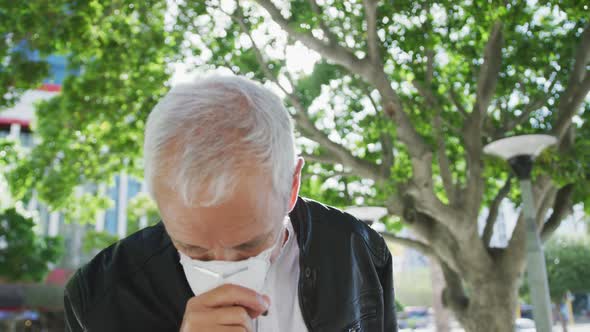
[524,325]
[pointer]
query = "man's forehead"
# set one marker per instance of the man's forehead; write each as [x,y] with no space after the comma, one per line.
[225,225]
[250,189]
[255,240]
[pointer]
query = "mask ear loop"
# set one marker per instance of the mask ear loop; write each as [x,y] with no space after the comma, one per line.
[274,246]
[279,237]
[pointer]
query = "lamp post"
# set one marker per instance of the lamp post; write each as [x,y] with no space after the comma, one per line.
[520,152]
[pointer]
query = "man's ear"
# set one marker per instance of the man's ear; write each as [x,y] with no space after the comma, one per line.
[296,184]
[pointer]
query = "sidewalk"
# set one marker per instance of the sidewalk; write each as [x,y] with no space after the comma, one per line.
[575,328]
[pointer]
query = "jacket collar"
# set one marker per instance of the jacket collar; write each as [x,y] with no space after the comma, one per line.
[301,220]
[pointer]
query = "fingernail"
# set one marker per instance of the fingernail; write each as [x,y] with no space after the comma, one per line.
[263,300]
[267,300]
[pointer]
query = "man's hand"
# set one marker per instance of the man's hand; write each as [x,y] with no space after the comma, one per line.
[227,308]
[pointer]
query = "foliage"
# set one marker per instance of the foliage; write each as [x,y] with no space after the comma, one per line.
[568,266]
[9,153]
[91,130]
[82,208]
[141,206]
[24,255]
[568,269]
[94,240]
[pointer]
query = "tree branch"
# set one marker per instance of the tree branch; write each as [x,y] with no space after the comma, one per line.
[371,73]
[238,17]
[410,243]
[324,158]
[388,156]
[561,207]
[373,103]
[488,73]
[338,153]
[420,152]
[340,174]
[582,57]
[333,51]
[454,294]
[528,110]
[577,88]
[531,107]
[427,94]
[443,159]
[372,38]
[494,209]
[543,206]
[325,29]
[429,66]
[486,85]
[581,94]
[457,103]
[431,230]
[386,142]
[567,112]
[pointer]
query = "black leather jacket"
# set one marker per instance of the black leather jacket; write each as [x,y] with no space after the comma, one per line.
[345,284]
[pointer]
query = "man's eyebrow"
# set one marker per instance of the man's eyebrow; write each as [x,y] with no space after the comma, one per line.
[188,246]
[255,242]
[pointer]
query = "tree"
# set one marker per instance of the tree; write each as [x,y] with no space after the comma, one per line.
[24,256]
[400,102]
[568,267]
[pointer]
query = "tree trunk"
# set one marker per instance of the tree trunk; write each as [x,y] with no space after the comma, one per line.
[441,314]
[491,308]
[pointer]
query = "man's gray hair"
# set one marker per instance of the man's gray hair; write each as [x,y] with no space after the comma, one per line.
[200,135]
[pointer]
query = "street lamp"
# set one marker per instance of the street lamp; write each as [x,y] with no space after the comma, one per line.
[369,215]
[520,152]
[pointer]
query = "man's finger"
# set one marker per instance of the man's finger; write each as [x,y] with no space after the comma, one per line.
[231,329]
[233,316]
[231,295]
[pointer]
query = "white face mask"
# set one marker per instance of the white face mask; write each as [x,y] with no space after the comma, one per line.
[203,276]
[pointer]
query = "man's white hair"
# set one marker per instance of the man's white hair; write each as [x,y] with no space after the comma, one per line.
[200,135]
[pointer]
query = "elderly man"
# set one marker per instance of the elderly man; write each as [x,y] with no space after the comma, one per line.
[237,249]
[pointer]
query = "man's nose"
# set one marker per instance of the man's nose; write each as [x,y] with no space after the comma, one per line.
[222,254]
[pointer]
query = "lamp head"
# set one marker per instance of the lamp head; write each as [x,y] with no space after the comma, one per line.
[527,145]
[520,151]
[372,213]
